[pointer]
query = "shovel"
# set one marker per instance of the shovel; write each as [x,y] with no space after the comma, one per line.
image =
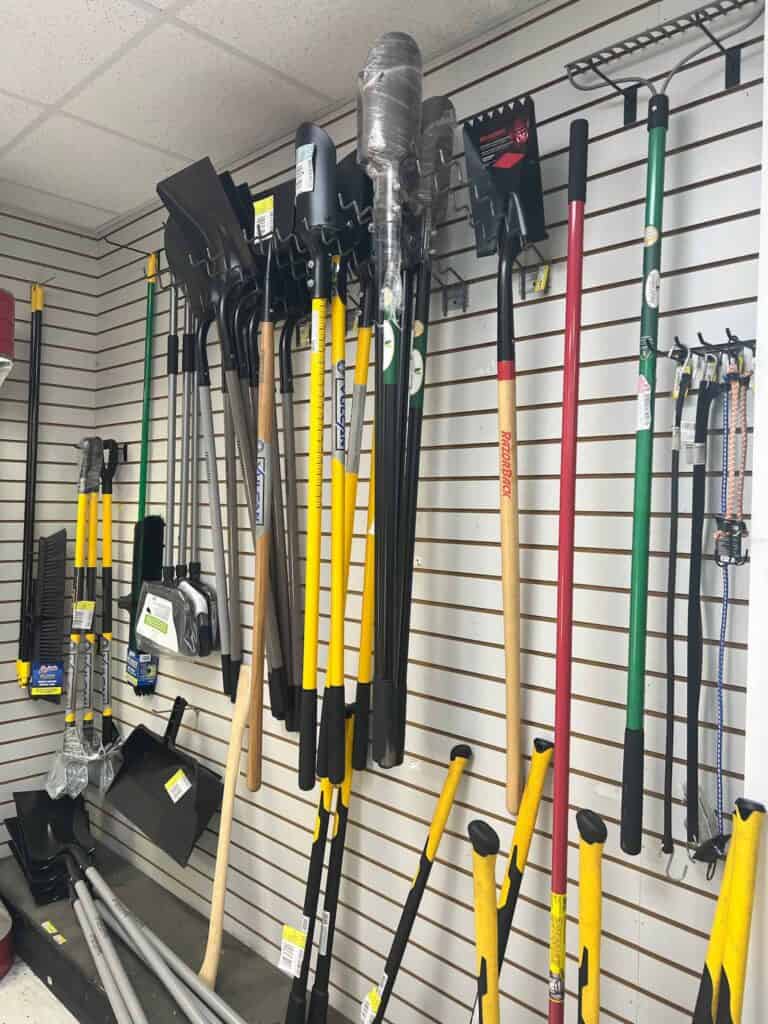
[169,795]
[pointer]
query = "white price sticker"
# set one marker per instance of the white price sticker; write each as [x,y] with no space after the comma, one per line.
[305,169]
[82,616]
[324,929]
[178,786]
[292,948]
[156,622]
[643,404]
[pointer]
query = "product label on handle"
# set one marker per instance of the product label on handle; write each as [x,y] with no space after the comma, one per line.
[557,947]
[388,343]
[292,946]
[417,372]
[340,408]
[264,217]
[305,170]
[652,285]
[370,1007]
[82,616]
[643,404]
[324,929]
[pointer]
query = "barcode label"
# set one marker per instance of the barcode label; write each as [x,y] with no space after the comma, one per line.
[82,616]
[292,947]
[324,929]
[370,1007]
[177,786]
[643,404]
[305,171]
[264,217]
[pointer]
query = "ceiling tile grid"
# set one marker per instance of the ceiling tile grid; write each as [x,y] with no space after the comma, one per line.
[99,99]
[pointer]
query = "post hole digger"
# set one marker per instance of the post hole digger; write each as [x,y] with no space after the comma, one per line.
[502,156]
[389,91]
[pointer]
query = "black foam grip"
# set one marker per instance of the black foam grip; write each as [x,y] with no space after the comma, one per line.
[296,1009]
[226,677]
[577,161]
[632,792]
[333,702]
[485,841]
[658,112]
[277,684]
[362,718]
[318,1008]
[188,353]
[172,365]
[591,827]
[702,1013]
[307,738]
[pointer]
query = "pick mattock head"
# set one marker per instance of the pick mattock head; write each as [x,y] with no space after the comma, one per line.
[502,154]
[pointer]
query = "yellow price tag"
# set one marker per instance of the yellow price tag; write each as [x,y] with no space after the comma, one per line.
[557,934]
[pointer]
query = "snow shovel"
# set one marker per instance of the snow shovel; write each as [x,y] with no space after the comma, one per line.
[169,795]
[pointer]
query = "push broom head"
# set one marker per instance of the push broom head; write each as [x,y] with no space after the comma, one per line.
[6,334]
[48,624]
[502,153]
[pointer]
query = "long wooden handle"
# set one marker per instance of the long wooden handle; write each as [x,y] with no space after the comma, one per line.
[264,465]
[210,966]
[510,580]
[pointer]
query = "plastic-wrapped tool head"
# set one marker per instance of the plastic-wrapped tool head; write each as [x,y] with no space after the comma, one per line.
[502,153]
[315,183]
[438,123]
[389,102]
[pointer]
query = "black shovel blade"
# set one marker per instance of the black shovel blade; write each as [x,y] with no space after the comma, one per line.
[187,268]
[165,793]
[502,155]
[198,202]
[50,827]
[315,183]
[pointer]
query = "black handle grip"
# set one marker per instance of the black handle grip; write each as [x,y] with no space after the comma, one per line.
[362,719]
[226,676]
[307,739]
[632,792]
[111,454]
[172,363]
[277,687]
[234,677]
[383,719]
[174,722]
[484,839]
[296,1009]
[577,160]
[286,358]
[188,353]
[318,1007]
[591,827]
[203,370]
[333,705]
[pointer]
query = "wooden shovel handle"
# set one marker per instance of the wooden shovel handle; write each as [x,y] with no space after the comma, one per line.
[210,966]
[510,580]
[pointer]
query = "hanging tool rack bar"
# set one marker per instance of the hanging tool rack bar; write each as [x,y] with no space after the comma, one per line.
[698,19]
[733,346]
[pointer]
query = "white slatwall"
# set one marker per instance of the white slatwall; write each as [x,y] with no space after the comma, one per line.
[29,252]
[655,928]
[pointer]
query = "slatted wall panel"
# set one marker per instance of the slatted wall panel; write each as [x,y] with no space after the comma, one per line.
[655,927]
[30,730]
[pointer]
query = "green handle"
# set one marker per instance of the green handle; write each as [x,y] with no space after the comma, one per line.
[632,789]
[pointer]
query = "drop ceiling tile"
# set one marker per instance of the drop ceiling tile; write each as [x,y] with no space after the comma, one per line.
[86,164]
[15,115]
[51,209]
[62,42]
[186,94]
[324,44]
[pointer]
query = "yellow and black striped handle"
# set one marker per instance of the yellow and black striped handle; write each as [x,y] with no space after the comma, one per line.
[460,756]
[365,651]
[592,836]
[485,849]
[721,992]
[108,470]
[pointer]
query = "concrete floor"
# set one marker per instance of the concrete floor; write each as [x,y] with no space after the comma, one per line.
[24,999]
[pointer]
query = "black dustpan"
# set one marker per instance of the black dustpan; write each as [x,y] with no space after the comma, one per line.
[169,795]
